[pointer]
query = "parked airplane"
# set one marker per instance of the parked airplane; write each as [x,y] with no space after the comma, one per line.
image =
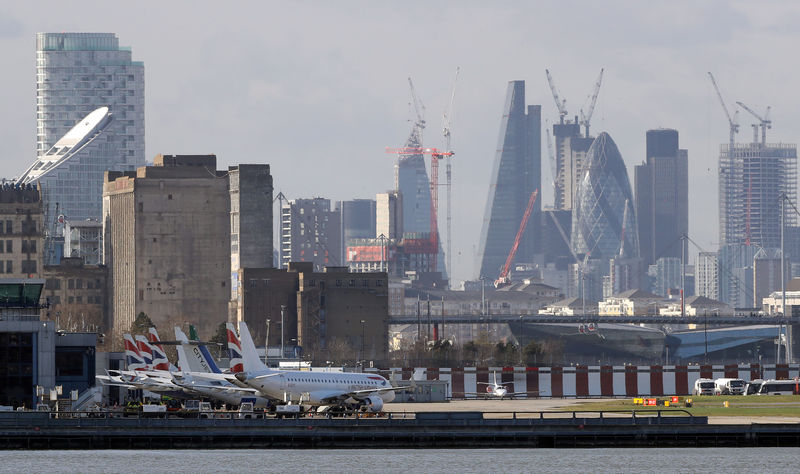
[234,349]
[494,389]
[320,389]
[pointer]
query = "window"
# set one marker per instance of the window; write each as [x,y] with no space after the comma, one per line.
[9,227]
[32,246]
[378,282]
[338,282]
[352,283]
[70,300]
[365,283]
[9,266]
[70,284]
[9,246]
[29,266]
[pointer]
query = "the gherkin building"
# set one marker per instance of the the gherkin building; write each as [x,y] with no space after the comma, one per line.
[603,220]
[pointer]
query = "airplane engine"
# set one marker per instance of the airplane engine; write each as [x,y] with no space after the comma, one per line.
[373,403]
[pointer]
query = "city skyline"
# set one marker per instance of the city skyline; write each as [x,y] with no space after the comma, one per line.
[327,102]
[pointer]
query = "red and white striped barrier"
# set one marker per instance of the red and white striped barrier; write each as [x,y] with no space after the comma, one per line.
[592,381]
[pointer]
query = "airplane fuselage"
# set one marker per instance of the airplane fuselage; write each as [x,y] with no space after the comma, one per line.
[318,388]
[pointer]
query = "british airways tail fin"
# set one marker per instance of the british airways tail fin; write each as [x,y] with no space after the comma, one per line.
[133,358]
[160,361]
[145,350]
[234,349]
[250,360]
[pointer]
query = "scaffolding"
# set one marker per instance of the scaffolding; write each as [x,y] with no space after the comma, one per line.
[752,180]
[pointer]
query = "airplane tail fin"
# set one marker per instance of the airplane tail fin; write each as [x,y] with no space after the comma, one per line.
[212,366]
[160,361]
[234,349]
[250,360]
[193,357]
[133,358]
[145,350]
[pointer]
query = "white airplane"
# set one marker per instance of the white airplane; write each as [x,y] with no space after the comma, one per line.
[318,389]
[494,389]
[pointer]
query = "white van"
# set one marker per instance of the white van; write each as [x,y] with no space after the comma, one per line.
[727,386]
[778,387]
[752,387]
[703,387]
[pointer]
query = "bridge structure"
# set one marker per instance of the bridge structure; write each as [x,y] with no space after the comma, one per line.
[711,320]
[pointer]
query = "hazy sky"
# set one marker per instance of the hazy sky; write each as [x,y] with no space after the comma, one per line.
[319,89]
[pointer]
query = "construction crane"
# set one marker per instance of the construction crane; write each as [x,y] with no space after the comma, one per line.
[732,122]
[585,119]
[503,278]
[436,155]
[419,110]
[561,105]
[447,124]
[765,123]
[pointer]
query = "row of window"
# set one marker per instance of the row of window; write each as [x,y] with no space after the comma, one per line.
[28,266]
[72,284]
[364,283]
[28,226]
[56,299]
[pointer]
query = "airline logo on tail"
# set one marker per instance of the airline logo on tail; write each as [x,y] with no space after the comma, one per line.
[145,350]
[160,361]
[234,350]
[133,359]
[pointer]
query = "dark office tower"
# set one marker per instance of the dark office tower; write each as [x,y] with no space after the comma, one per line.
[358,220]
[662,196]
[603,220]
[515,175]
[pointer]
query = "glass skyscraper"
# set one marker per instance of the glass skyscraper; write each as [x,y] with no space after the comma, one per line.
[515,175]
[77,73]
[603,219]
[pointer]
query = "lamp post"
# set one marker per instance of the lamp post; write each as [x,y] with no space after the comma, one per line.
[705,334]
[266,344]
[283,310]
[363,355]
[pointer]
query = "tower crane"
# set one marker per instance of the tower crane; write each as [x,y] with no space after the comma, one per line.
[585,119]
[419,110]
[436,155]
[447,124]
[732,122]
[765,123]
[561,104]
[503,278]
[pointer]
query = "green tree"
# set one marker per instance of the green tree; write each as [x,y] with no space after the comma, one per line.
[532,352]
[141,325]
[221,336]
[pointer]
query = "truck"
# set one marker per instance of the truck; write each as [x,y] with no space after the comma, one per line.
[288,411]
[153,410]
[729,386]
[703,387]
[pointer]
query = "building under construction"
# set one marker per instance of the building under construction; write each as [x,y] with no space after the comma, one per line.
[753,177]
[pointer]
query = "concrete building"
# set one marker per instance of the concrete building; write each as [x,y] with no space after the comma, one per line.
[357,220]
[570,152]
[167,231]
[696,306]
[250,188]
[21,239]
[310,232]
[707,275]
[662,196]
[78,294]
[78,72]
[389,215]
[516,173]
[320,312]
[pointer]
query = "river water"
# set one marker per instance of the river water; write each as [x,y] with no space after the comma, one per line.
[410,460]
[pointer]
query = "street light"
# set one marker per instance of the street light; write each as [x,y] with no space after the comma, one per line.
[283,309]
[266,344]
[363,355]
